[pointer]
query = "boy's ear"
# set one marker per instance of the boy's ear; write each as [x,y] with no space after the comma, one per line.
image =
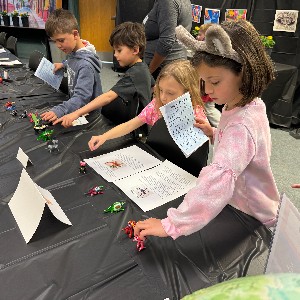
[76,33]
[136,50]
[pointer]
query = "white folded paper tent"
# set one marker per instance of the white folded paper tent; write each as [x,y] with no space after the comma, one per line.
[28,203]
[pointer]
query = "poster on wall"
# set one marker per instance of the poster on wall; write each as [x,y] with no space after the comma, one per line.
[211,15]
[235,14]
[36,10]
[196,13]
[285,20]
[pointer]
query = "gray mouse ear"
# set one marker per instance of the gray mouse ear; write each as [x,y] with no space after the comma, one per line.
[187,39]
[217,42]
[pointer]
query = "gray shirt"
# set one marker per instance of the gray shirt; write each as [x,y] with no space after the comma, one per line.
[160,29]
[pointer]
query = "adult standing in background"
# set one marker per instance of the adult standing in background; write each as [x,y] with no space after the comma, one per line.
[162,46]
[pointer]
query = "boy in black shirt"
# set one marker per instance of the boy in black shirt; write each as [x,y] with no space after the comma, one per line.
[133,91]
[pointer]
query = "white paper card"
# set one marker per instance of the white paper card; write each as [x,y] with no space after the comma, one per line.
[285,249]
[10,63]
[22,157]
[122,163]
[179,117]
[157,186]
[80,121]
[27,206]
[45,72]
[54,206]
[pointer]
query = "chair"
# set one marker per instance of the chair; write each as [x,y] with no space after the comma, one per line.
[35,59]
[160,140]
[11,45]
[3,39]
[120,111]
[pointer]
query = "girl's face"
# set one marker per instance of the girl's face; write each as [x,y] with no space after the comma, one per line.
[169,89]
[221,84]
[201,36]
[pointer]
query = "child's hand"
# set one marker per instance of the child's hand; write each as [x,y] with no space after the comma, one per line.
[96,141]
[57,66]
[296,186]
[150,226]
[49,116]
[66,120]
[204,126]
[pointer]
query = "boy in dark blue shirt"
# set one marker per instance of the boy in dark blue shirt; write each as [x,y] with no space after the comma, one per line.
[82,64]
[133,91]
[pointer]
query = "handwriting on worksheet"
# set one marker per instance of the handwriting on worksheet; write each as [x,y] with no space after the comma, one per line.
[179,117]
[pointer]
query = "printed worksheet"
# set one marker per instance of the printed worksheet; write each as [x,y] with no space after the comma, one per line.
[122,163]
[157,186]
[179,117]
[45,72]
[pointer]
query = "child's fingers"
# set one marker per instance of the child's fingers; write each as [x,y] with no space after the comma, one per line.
[141,229]
[66,122]
[296,186]
[200,121]
[93,143]
[58,121]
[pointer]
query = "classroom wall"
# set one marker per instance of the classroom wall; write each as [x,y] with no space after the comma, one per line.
[261,14]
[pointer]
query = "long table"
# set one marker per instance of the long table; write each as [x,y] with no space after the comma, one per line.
[94,258]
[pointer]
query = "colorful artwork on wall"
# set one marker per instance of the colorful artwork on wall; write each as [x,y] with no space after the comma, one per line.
[38,10]
[211,15]
[286,20]
[196,13]
[235,14]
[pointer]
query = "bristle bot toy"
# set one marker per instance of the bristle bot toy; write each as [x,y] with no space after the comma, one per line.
[96,190]
[140,243]
[129,229]
[82,168]
[115,207]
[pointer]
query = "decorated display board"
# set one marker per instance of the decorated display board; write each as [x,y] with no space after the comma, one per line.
[35,11]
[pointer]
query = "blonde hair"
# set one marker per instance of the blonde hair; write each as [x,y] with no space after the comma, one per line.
[204,27]
[185,74]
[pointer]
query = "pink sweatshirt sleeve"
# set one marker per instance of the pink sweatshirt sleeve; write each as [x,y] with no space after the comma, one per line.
[215,184]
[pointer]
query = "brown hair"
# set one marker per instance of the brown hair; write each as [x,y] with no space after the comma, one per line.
[129,34]
[185,74]
[61,21]
[204,27]
[256,66]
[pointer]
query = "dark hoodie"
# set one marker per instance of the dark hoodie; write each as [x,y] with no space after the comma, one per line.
[83,67]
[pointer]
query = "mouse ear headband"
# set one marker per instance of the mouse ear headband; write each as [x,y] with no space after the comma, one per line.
[217,42]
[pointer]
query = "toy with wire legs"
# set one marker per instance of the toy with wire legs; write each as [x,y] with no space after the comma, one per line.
[52,146]
[129,230]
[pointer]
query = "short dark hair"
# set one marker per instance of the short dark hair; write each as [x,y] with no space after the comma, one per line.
[256,66]
[129,34]
[61,21]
